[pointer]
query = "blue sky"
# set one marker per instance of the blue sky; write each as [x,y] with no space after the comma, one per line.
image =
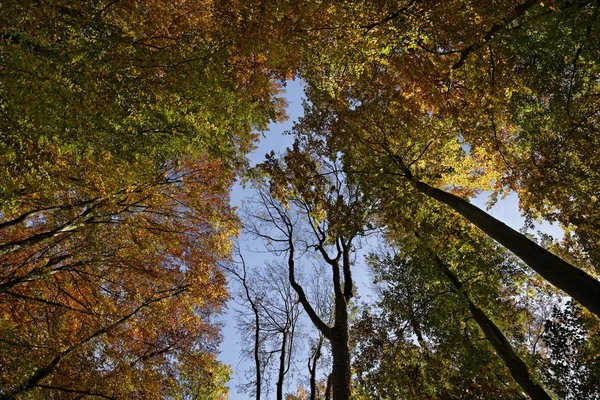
[274,139]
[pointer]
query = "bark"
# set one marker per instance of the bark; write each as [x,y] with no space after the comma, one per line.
[312,314]
[341,375]
[517,367]
[256,350]
[23,217]
[329,388]
[39,273]
[338,334]
[312,368]
[342,288]
[37,238]
[342,378]
[416,327]
[281,375]
[573,281]
[254,306]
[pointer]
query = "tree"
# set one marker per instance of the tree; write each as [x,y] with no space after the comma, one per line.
[422,341]
[393,106]
[131,285]
[274,321]
[253,323]
[572,366]
[322,300]
[304,188]
[517,367]
[419,288]
[121,125]
[380,151]
[141,82]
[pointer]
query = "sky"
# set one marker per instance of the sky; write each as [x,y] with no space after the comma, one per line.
[273,139]
[505,210]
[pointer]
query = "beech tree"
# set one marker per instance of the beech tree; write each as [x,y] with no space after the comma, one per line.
[407,96]
[121,125]
[415,302]
[240,272]
[275,311]
[372,148]
[140,82]
[421,342]
[311,207]
[98,293]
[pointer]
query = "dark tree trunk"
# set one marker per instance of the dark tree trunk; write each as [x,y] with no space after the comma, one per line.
[573,281]
[281,373]
[517,367]
[328,390]
[341,375]
[312,368]
[338,334]
[256,350]
[341,378]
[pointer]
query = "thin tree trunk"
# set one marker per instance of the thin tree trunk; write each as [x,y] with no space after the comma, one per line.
[573,281]
[281,374]
[329,388]
[312,368]
[517,367]
[342,378]
[254,306]
[256,350]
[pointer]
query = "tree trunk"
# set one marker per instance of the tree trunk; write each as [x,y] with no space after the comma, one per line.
[573,281]
[312,368]
[341,375]
[281,373]
[517,367]
[328,390]
[256,350]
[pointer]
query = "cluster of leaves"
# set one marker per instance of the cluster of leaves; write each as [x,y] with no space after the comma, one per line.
[141,82]
[573,363]
[422,340]
[117,294]
[121,123]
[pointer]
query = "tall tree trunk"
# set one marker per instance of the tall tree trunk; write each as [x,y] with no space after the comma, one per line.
[281,373]
[329,388]
[312,368]
[517,367]
[573,281]
[256,350]
[341,375]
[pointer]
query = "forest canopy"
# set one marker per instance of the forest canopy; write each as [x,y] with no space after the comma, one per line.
[125,124]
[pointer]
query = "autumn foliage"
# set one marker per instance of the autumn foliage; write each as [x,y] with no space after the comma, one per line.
[120,298]
[125,123]
[122,123]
